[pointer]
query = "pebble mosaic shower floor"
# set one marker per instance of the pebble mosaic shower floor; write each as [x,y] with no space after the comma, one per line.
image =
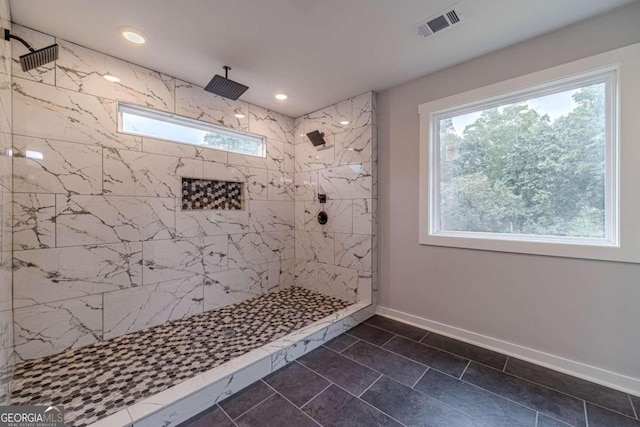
[98,380]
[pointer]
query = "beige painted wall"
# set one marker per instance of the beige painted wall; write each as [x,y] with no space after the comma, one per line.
[586,311]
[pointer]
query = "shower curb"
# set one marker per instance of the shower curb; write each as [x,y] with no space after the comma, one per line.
[182,401]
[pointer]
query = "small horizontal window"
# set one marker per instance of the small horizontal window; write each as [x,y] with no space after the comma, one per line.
[151,123]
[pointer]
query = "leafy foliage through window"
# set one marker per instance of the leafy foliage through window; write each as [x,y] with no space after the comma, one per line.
[533,167]
[157,124]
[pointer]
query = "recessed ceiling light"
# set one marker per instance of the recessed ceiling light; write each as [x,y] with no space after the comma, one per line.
[344,122]
[133,37]
[240,116]
[281,96]
[110,78]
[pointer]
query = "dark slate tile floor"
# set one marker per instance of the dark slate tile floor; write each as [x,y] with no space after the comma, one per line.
[385,373]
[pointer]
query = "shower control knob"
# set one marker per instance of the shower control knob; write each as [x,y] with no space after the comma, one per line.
[323,217]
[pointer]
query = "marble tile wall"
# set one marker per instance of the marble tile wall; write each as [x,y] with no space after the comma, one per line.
[338,258]
[6,199]
[101,245]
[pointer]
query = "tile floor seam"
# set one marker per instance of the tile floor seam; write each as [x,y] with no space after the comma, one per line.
[586,416]
[408,358]
[449,352]
[296,406]
[227,415]
[537,416]
[633,407]
[370,385]
[346,348]
[391,332]
[569,394]
[355,361]
[381,345]
[421,376]
[254,406]
[504,368]
[387,350]
[316,395]
[610,410]
[465,369]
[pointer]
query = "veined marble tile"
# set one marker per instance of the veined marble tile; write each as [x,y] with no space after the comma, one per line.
[272,279]
[82,70]
[328,119]
[364,109]
[364,213]
[193,101]
[132,173]
[34,221]
[48,166]
[255,248]
[306,185]
[5,48]
[298,131]
[134,309]
[46,275]
[353,251]
[289,158]
[315,246]
[6,339]
[46,111]
[43,74]
[233,286]
[347,182]
[196,223]
[179,259]
[270,124]
[354,146]
[306,274]
[308,157]
[6,268]
[5,108]
[52,328]
[270,215]
[338,282]
[289,244]
[6,220]
[340,214]
[6,176]
[365,287]
[280,186]
[86,220]
[177,149]
[287,274]
[255,180]
[273,161]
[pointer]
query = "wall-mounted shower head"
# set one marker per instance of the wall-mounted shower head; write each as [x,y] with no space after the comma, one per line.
[316,137]
[35,58]
[224,87]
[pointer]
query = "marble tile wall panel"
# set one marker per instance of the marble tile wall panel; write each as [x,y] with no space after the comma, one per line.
[328,120]
[274,159]
[315,246]
[289,244]
[5,105]
[338,282]
[287,274]
[52,328]
[133,173]
[270,124]
[6,338]
[48,166]
[194,102]
[364,110]
[308,157]
[43,74]
[280,186]
[176,149]
[87,220]
[340,214]
[133,309]
[306,273]
[45,111]
[233,286]
[255,179]
[46,275]
[81,70]
[5,282]
[364,215]
[271,215]
[210,223]
[5,48]
[289,158]
[347,182]
[306,186]
[255,248]
[353,251]
[354,146]
[34,221]
[6,219]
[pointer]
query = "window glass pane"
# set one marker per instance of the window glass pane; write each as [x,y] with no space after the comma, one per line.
[534,167]
[155,124]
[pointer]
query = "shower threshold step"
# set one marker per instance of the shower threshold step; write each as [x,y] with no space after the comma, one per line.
[165,374]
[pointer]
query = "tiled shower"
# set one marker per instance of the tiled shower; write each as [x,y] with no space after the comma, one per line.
[96,243]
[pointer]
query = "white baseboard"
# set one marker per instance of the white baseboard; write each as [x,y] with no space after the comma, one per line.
[557,363]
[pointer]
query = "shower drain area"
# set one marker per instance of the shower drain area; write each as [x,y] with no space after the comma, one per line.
[98,380]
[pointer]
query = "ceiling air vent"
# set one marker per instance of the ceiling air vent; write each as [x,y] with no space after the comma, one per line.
[438,22]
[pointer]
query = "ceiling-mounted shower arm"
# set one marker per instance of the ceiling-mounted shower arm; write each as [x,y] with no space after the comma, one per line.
[226,71]
[8,36]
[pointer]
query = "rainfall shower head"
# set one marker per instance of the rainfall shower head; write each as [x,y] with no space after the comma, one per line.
[35,58]
[224,87]
[316,137]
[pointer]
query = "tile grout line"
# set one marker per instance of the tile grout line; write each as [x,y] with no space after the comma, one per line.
[537,415]
[370,385]
[419,378]
[227,415]
[257,404]
[633,407]
[586,417]
[293,404]
[317,394]
[349,346]
[504,368]
[464,370]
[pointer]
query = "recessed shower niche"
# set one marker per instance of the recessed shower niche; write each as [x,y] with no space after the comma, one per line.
[207,194]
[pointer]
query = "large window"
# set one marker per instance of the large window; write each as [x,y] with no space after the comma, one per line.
[147,122]
[536,164]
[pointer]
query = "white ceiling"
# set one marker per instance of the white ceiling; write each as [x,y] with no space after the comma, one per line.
[317,51]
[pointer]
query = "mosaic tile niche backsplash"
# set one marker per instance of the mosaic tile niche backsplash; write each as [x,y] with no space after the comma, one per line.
[206,194]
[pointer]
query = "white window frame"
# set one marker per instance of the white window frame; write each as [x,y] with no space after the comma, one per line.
[618,69]
[124,107]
